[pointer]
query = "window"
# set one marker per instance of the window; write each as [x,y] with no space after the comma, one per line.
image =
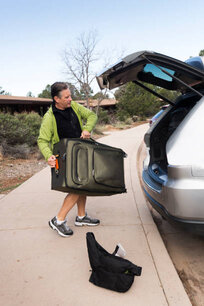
[157,73]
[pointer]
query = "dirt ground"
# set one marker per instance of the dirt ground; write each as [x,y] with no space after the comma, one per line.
[14,172]
[186,252]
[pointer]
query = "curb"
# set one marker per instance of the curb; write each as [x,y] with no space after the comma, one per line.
[2,195]
[173,288]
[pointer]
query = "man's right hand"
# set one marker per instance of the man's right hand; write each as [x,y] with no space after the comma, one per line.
[52,161]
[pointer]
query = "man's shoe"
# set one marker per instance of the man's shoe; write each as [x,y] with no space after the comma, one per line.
[62,229]
[86,221]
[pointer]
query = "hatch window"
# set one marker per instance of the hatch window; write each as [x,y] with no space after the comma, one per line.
[157,73]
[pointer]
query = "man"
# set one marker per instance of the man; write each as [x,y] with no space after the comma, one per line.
[64,120]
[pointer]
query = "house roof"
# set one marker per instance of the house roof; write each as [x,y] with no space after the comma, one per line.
[8,100]
[104,102]
[5,99]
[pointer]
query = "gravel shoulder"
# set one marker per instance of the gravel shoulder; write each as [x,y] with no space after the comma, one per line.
[14,172]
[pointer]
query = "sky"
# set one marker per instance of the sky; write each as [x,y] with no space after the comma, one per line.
[34,35]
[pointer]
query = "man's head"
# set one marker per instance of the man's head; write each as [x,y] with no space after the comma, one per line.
[61,95]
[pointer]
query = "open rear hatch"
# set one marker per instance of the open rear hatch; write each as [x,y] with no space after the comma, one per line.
[153,68]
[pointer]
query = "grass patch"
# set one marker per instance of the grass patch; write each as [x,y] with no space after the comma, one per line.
[121,125]
[2,190]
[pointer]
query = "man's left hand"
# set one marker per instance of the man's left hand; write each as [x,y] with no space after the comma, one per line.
[85,134]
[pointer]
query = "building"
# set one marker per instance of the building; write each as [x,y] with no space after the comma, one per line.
[12,104]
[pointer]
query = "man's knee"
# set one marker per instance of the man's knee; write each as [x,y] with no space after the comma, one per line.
[73,196]
[83,197]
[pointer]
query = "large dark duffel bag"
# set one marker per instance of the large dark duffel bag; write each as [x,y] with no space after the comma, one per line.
[87,167]
[109,271]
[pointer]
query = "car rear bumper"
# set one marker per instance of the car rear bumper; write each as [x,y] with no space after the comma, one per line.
[178,200]
[191,225]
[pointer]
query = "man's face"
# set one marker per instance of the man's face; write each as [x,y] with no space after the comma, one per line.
[64,99]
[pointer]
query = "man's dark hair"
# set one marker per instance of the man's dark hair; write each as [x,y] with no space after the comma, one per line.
[57,87]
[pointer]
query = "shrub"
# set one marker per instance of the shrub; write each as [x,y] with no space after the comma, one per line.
[120,125]
[135,118]
[11,129]
[16,151]
[128,121]
[122,115]
[32,122]
[19,129]
[103,116]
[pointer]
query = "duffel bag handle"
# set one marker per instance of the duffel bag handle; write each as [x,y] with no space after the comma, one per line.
[89,139]
[57,164]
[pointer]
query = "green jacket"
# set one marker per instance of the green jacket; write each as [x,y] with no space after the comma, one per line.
[48,135]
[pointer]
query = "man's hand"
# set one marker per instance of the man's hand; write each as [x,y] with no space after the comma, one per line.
[85,134]
[52,161]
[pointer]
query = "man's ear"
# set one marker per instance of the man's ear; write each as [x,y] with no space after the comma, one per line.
[57,99]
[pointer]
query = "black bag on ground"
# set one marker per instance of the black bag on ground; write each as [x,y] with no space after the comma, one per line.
[87,167]
[109,271]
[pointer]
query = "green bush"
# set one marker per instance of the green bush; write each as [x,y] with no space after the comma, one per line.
[136,101]
[16,151]
[19,129]
[103,116]
[32,123]
[128,121]
[122,115]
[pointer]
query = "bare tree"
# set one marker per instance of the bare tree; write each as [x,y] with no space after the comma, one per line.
[3,92]
[30,94]
[100,99]
[79,61]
